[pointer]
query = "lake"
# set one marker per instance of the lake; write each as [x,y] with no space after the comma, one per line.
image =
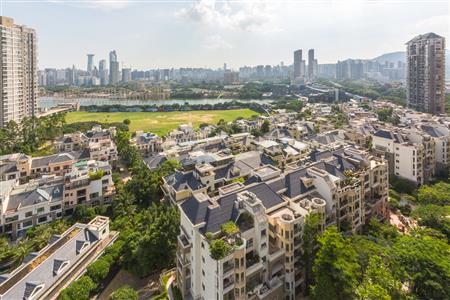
[48,102]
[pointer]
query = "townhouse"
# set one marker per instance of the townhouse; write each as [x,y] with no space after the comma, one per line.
[44,274]
[51,197]
[97,143]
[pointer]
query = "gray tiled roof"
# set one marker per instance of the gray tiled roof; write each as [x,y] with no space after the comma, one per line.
[199,211]
[35,196]
[58,158]
[435,131]
[183,180]
[44,273]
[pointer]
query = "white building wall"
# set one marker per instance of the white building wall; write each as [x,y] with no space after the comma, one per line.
[405,162]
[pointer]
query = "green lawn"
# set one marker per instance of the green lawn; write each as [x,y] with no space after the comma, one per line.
[160,122]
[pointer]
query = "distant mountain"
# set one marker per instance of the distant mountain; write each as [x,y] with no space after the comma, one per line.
[393,57]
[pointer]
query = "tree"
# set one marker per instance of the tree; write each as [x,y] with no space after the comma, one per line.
[423,264]
[98,270]
[83,213]
[265,127]
[127,122]
[219,249]
[124,293]
[434,194]
[378,282]
[151,242]
[310,233]
[434,216]
[336,269]
[78,290]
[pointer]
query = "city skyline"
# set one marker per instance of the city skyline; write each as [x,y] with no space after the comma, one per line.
[208,33]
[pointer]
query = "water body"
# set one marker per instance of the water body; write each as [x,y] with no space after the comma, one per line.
[48,102]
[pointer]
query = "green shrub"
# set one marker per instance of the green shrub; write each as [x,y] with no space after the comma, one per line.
[124,293]
[78,290]
[229,228]
[98,270]
[219,249]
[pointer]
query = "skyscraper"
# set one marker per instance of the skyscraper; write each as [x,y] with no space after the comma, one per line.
[425,55]
[113,68]
[297,63]
[18,75]
[103,72]
[90,63]
[311,63]
[126,75]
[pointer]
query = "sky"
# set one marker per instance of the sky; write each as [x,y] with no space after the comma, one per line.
[151,34]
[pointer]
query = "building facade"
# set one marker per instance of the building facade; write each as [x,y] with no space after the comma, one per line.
[426,73]
[18,76]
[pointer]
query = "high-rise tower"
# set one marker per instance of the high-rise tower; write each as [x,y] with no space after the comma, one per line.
[311,63]
[297,63]
[426,73]
[90,63]
[18,75]
[113,68]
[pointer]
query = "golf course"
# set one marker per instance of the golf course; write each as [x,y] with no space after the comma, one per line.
[160,122]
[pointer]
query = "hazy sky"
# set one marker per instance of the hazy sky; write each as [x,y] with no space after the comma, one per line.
[181,33]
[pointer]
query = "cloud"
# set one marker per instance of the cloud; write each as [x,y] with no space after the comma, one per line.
[434,23]
[253,16]
[216,42]
[100,4]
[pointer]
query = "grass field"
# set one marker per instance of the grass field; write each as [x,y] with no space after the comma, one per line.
[160,122]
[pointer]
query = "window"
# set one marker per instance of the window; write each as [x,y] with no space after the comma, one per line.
[40,210]
[42,219]
[55,207]
[12,219]
[27,223]
[28,214]
[94,195]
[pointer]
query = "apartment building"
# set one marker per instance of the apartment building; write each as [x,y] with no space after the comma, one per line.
[28,205]
[206,172]
[186,133]
[425,74]
[18,75]
[411,154]
[345,187]
[440,134]
[89,182]
[98,143]
[25,167]
[260,261]
[44,274]
[52,197]
[147,143]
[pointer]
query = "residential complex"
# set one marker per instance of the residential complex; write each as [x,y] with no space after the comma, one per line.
[345,187]
[38,190]
[426,73]
[50,198]
[18,76]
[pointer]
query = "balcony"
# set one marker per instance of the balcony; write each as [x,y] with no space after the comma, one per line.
[228,284]
[227,267]
[254,268]
[268,288]
[275,253]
